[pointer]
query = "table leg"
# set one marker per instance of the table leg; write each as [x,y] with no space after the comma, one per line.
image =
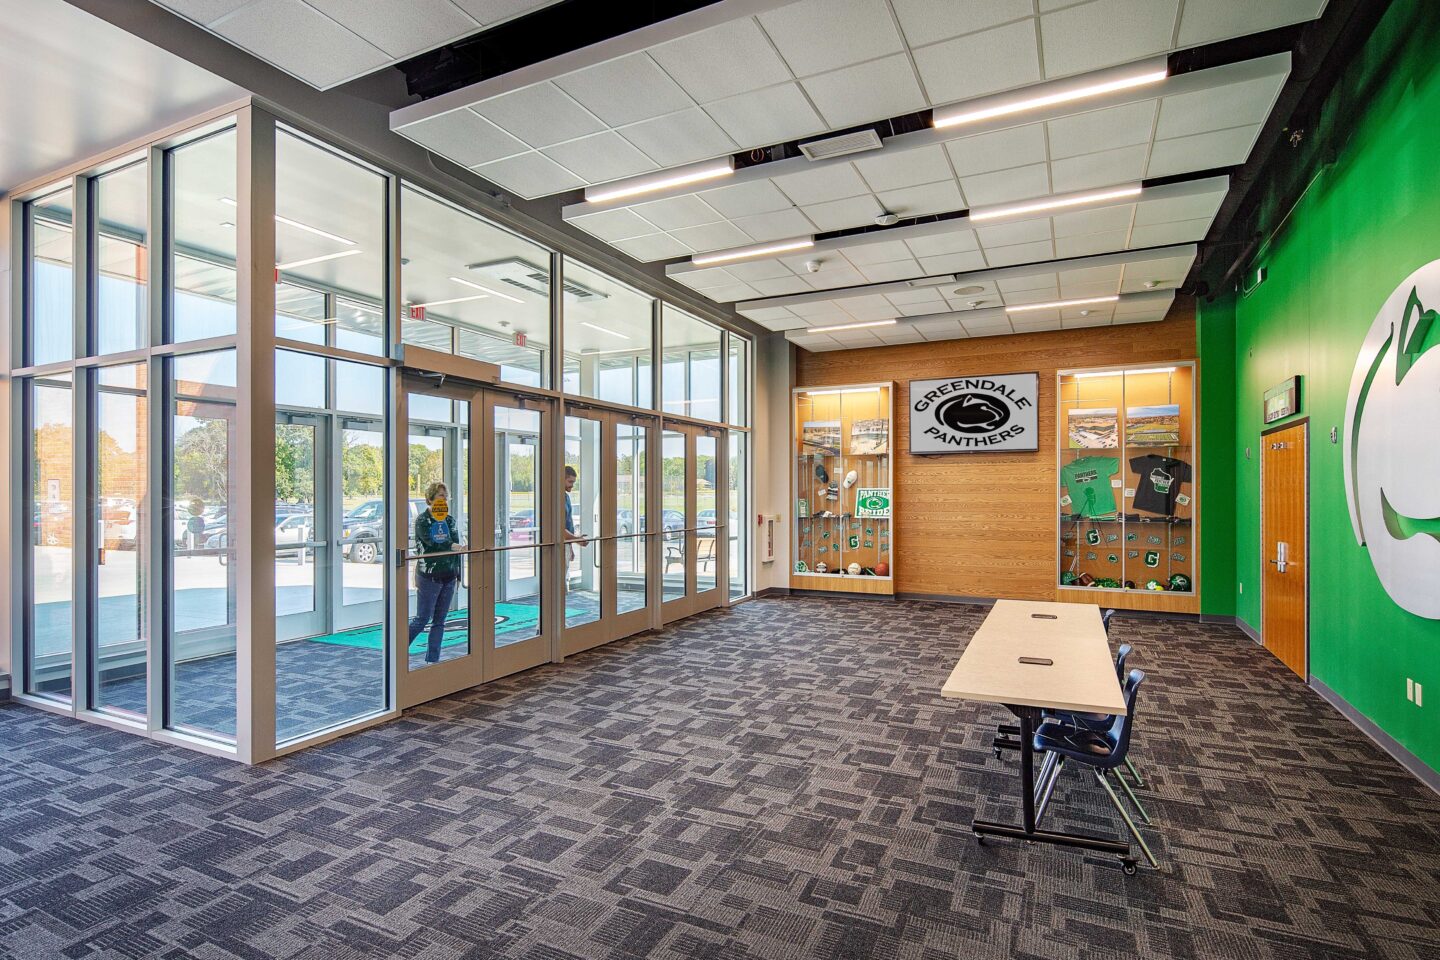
[1027,766]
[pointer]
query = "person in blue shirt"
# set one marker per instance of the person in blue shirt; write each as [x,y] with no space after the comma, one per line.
[436,577]
[570,535]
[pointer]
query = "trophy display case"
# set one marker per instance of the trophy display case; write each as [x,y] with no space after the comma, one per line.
[842,531]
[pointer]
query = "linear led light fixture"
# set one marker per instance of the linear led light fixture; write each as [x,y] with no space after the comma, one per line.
[745,253]
[961,115]
[484,289]
[596,326]
[1025,307]
[441,303]
[664,180]
[1055,203]
[852,326]
[321,259]
[1116,373]
[836,393]
[299,226]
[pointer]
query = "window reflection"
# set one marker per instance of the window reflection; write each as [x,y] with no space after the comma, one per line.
[51,509]
[121,260]
[50,331]
[202,237]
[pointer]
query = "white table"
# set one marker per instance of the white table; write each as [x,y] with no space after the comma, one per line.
[1080,678]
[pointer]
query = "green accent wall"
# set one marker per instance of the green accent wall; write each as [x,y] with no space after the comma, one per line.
[1215,345]
[1367,220]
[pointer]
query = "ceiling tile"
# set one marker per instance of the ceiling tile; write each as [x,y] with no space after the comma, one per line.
[1020,253]
[1203,151]
[287,33]
[981,63]
[1006,234]
[491,12]
[464,137]
[1162,234]
[1107,168]
[1178,208]
[814,311]
[1002,186]
[866,92]
[926,21]
[778,225]
[1001,150]
[1110,274]
[426,24]
[953,263]
[780,287]
[819,35]
[819,184]
[1121,126]
[204,11]
[679,138]
[541,115]
[878,253]
[658,246]
[920,309]
[900,333]
[621,223]
[1089,244]
[673,213]
[1034,326]
[712,236]
[600,158]
[928,198]
[530,175]
[957,241]
[789,323]
[843,214]
[763,117]
[742,291]
[1077,223]
[1105,33]
[904,168]
[731,58]
[1093,288]
[1217,19]
[760,270]
[1233,105]
[919,296]
[886,272]
[746,199]
[1041,295]
[625,90]
[1032,318]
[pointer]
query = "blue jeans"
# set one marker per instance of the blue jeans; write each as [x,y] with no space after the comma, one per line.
[432,603]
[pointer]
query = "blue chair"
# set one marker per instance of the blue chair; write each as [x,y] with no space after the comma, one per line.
[1103,751]
[1105,619]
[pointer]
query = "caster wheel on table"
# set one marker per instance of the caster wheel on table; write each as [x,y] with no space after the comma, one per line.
[1129,866]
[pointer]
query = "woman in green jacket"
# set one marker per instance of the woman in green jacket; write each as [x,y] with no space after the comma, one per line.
[436,575]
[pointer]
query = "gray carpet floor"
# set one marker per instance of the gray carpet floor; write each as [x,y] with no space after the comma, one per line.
[778,780]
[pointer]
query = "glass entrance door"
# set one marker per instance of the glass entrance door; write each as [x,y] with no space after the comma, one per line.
[610,541]
[694,539]
[468,512]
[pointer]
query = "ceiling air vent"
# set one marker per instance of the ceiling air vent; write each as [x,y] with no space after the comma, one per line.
[843,145]
[533,279]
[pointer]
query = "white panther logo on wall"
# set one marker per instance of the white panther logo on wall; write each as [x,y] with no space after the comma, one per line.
[1392,444]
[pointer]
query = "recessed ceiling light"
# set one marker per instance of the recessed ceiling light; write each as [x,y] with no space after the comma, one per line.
[958,116]
[852,326]
[596,326]
[710,170]
[1054,203]
[1025,307]
[484,289]
[743,253]
[321,259]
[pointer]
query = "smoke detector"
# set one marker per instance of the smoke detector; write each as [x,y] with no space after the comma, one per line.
[812,265]
[887,219]
[975,303]
[1151,284]
[1084,313]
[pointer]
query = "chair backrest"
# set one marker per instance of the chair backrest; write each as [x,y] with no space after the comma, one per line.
[1121,656]
[1119,735]
[1105,616]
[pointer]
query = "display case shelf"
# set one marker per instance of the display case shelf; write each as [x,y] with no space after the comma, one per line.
[1127,486]
[841,480]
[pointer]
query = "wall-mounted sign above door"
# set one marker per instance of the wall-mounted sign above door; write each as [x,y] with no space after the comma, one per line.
[975,414]
[1282,401]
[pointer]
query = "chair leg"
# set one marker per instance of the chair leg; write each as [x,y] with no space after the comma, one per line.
[1130,824]
[1049,789]
[1131,794]
[1047,764]
[1139,780]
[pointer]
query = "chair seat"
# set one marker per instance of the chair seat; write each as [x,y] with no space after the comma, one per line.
[1075,742]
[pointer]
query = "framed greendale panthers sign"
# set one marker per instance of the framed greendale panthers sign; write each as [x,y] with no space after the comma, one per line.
[983,414]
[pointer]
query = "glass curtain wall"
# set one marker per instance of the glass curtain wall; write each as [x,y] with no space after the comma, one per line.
[608,338]
[50,614]
[690,372]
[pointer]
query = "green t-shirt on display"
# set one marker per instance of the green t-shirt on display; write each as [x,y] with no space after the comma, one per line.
[1087,480]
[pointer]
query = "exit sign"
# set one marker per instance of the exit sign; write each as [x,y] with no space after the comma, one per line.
[1282,401]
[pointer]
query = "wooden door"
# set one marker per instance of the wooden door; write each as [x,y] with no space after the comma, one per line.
[1285,544]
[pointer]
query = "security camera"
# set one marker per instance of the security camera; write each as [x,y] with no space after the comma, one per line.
[812,265]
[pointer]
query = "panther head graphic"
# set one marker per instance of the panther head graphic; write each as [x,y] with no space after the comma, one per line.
[1391,450]
[973,413]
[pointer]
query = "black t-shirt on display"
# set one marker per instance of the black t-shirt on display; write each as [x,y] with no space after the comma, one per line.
[1159,482]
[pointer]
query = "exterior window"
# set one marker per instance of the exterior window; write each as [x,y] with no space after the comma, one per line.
[736,523]
[50,320]
[738,377]
[120,259]
[202,238]
[607,338]
[691,372]
[50,613]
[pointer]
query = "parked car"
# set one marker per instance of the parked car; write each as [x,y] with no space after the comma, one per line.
[362,531]
[707,519]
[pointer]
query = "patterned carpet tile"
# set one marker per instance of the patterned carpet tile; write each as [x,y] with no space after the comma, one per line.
[781,780]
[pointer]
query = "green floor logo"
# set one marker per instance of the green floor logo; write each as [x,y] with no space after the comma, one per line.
[1392,444]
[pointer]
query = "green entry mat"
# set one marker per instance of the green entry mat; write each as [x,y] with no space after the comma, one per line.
[509,618]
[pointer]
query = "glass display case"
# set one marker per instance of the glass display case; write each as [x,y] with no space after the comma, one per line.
[1127,480]
[841,538]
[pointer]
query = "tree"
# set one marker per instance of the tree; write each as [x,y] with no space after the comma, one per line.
[202,463]
[294,464]
[362,469]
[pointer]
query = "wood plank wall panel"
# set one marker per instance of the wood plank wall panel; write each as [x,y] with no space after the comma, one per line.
[984,524]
